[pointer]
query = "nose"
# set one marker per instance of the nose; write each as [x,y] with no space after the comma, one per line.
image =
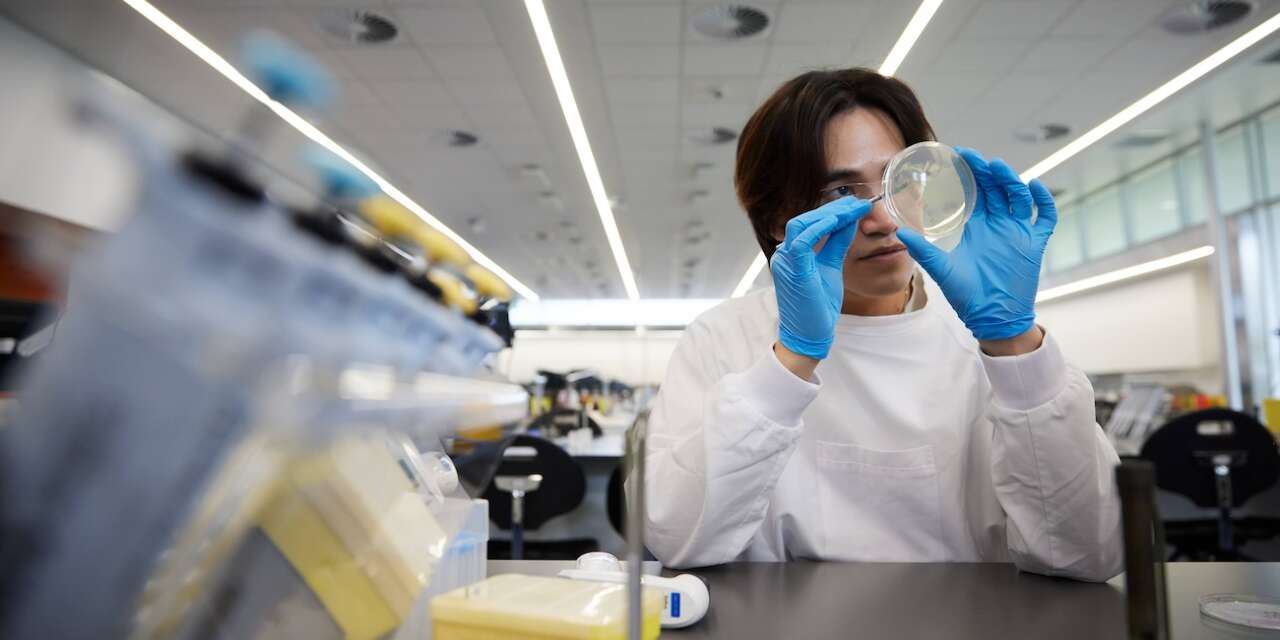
[878,222]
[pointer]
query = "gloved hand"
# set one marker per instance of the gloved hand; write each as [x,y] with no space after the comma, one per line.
[992,275]
[810,286]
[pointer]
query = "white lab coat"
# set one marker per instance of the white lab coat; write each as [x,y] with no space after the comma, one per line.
[911,445]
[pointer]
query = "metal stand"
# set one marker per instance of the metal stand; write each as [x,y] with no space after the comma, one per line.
[635,524]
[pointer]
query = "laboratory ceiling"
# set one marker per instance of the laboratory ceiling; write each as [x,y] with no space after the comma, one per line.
[651,89]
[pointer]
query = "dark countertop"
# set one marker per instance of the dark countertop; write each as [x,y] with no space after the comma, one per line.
[990,601]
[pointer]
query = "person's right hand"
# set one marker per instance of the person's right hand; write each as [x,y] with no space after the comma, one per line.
[810,284]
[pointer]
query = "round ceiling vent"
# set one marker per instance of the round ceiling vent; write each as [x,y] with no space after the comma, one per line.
[1042,133]
[714,135]
[357,26]
[729,21]
[1205,15]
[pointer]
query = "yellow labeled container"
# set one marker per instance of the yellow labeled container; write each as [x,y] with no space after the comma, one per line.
[519,607]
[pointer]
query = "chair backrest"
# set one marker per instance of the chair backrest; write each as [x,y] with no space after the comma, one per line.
[1182,448]
[615,501]
[564,484]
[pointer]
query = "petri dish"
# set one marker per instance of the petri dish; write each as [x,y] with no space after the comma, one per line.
[1242,610]
[930,188]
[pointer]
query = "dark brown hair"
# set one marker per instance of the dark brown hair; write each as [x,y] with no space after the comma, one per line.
[782,162]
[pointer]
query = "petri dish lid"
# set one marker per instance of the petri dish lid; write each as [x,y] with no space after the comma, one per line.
[1242,610]
[930,188]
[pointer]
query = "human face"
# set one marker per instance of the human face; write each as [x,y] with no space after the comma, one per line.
[859,144]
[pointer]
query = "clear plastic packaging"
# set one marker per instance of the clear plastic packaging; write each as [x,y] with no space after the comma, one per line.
[1242,610]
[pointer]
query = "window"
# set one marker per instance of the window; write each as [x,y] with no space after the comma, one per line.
[1064,246]
[1103,224]
[1271,150]
[1191,172]
[1153,202]
[1233,171]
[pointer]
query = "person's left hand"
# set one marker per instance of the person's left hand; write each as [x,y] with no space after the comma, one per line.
[992,275]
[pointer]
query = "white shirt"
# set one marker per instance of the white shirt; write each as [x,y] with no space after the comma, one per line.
[910,445]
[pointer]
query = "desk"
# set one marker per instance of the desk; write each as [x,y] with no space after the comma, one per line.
[609,447]
[838,600]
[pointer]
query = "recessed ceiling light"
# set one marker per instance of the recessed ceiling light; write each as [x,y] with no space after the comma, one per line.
[729,21]
[357,26]
[713,136]
[1144,138]
[1205,15]
[915,26]
[1042,133]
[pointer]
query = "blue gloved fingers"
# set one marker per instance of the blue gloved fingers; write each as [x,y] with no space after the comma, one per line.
[833,252]
[1047,216]
[933,260]
[1015,190]
[808,238]
[843,209]
[988,187]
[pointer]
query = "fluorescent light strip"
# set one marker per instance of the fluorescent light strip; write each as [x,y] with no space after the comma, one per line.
[572,117]
[749,278]
[1179,82]
[915,27]
[210,57]
[1126,273]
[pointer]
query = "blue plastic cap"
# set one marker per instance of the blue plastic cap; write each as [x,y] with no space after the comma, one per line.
[339,177]
[287,73]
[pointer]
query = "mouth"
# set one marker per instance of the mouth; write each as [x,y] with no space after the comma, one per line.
[885,253]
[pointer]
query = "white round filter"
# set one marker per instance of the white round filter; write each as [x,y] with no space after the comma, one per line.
[930,188]
[1254,612]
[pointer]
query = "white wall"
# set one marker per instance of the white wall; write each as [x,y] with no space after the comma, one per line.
[1163,323]
[623,355]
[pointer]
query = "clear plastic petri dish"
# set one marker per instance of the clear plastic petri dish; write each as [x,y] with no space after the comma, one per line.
[929,187]
[1242,610]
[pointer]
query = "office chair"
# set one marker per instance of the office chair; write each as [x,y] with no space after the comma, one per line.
[561,421]
[561,487]
[1219,458]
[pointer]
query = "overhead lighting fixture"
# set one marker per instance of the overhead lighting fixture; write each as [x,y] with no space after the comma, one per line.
[1160,94]
[220,64]
[1127,273]
[573,118]
[915,27]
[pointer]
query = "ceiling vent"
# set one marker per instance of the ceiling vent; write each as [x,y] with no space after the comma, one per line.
[460,138]
[1205,15]
[357,26]
[729,21]
[714,135]
[1140,139]
[1042,133]
[1272,58]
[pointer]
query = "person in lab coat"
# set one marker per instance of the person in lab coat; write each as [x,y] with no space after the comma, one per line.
[863,408]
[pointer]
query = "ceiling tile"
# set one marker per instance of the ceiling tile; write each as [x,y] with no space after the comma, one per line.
[446,25]
[644,115]
[716,89]
[1109,18]
[730,59]
[501,116]
[988,55]
[470,62]
[411,92]
[820,21]
[634,60]
[630,90]
[385,63]
[487,92]
[1065,56]
[1018,18]
[435,117]
[629,137]
[715,114]
[636,24]
[794,59]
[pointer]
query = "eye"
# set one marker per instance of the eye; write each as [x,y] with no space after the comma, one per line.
[842,191]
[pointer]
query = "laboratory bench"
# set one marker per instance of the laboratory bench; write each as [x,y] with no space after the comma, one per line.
[955,601]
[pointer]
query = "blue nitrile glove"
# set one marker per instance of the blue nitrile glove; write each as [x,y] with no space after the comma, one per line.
[810,285]
[991,277]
